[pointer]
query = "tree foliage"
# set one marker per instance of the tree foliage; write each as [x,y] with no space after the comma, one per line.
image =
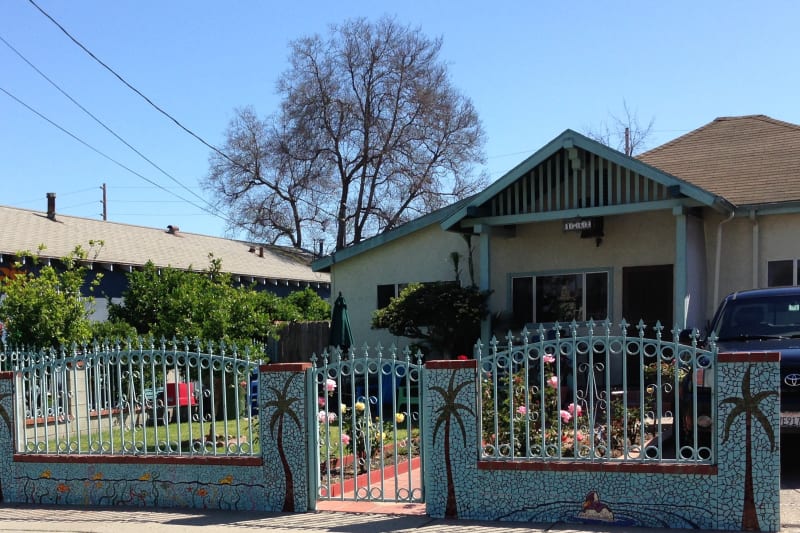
[444,315]
[370,134]
[171,303]
[43,306]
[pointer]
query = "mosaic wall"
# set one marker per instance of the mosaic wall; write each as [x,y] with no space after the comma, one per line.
[734,496]
[455,486]
[141,485]
[279,484]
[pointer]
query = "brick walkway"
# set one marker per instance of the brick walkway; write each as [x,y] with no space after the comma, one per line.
[391,485]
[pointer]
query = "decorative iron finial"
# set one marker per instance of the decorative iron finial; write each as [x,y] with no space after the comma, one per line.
[641,327]
[658,327]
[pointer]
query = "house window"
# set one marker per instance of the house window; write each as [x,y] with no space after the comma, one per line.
[782,273]
[561,297]
[387,292]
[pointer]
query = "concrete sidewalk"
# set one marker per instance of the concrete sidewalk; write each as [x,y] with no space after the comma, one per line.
[137,520]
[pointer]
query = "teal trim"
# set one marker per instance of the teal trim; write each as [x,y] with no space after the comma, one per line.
[570,139]
[680,270]
[312,452]
[324,264]
[787,208]
[609,271]
[484,276]
[579,213]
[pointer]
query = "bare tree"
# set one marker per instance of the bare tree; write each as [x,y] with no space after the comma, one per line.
[266,193]
[370,134]
[625,133]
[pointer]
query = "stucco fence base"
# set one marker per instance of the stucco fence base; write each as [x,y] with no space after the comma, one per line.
[740,491]
[622,494]
[258,483]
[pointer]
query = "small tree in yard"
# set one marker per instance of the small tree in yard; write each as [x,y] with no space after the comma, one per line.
[444,315]
[44,307]
[171,303]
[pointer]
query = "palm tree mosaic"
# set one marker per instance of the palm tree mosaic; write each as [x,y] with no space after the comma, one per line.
[450,411]
[283,408]
[749,406]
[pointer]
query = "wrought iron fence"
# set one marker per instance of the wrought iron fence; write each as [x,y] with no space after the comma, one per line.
[368,424]
[134,399]
[578,392]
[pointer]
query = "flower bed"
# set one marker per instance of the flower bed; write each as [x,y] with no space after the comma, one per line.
[341,480]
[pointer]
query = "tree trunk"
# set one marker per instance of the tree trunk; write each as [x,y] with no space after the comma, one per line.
[749,514]
[451,509]
[288,497]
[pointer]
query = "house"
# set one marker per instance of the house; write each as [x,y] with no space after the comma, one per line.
[581,231]
[126,248]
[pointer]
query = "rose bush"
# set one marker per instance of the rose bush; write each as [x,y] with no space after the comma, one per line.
[536,415]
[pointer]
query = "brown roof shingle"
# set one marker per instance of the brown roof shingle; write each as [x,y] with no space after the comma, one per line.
[748,160]
[125,244]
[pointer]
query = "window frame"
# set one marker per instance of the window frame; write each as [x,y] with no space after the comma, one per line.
[582,272]
[795,268]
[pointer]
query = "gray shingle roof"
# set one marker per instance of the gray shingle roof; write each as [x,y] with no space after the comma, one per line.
[128,245]
[748,160]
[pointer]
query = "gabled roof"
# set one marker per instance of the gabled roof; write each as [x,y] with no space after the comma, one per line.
[324,264]
[571,139]
[748,160]
[129,246]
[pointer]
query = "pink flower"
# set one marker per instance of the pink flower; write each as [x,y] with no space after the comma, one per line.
[522,410]
[345,439]
[322,416]
[321,401]
[330,385]
[565,416]
[572,408]
[553,381]
[580,437]
[549,358]
[331,418]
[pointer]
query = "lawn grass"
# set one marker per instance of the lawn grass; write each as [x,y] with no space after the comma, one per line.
[207,438]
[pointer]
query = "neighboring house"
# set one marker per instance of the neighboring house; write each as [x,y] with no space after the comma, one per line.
[579,230]
[126,248]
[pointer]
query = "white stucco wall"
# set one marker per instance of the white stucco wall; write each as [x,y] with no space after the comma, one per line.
[422,256]
[639,239]
[630,240]
[779,238]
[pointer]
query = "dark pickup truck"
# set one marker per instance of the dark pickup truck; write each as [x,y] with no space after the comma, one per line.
[759,320]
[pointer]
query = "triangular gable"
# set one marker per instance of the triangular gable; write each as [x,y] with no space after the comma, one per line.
[577,176]
[324,264]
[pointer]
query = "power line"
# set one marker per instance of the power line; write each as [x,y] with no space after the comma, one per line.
[148,180]
[77,205]
[108,129]
[131,87]
[159,109]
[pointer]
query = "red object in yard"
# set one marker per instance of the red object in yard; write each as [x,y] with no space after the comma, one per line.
[184,397]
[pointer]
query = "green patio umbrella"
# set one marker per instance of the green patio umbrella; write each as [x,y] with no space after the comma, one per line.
[341,336]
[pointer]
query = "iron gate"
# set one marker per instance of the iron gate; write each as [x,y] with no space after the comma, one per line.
[368,420]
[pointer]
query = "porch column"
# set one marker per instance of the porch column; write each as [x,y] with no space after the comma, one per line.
[484,278]
[679,271]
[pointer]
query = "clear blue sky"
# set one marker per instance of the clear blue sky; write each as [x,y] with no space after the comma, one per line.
[533,69]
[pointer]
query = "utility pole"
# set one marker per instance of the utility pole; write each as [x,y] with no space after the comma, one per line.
[628,149]
[105,203]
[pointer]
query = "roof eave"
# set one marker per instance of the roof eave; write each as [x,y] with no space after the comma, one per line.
[324,264]
[770,208]
[569,139]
